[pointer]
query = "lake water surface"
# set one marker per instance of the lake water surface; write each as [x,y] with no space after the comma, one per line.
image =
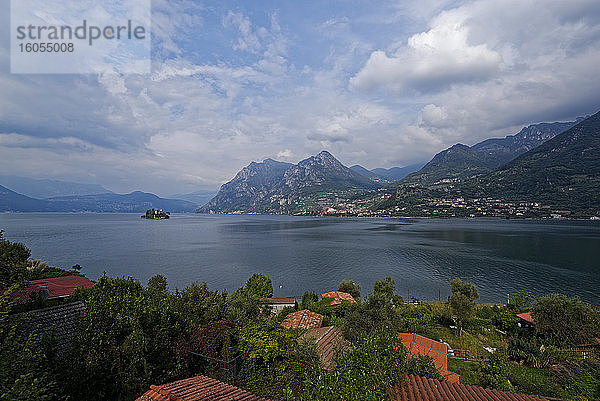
[314,253]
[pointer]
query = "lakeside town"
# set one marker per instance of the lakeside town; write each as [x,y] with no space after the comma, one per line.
[445,208]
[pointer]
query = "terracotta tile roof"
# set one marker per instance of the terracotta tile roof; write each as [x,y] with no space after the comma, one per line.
[417,345]
[279,300]
[419,388]
[57,287]
[302,319]
[526,317]
[338,297]
[329,340]
[196,389]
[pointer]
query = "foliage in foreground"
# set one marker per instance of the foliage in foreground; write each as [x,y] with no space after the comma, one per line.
[377,363]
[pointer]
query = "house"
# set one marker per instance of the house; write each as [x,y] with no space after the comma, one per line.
[277,304]
[302,319]
[53,288]
[418,388]
[329,341]
[338,297]
[196,389]
[59,322]
[417,345]
[526,321]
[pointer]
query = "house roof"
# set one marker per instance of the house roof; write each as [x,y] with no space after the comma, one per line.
[302,319]
[417,345]
[338,297]
[198,388]
[279,300]
[59,321]
[526,317]
[419,388]
[329,340]
[57,287]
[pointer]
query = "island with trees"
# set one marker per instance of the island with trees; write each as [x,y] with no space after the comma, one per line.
[156,214]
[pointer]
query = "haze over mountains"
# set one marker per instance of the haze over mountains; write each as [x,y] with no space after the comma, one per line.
[135,202]
[44,188]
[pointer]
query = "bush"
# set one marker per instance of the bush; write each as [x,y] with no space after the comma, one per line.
[260,285]
[565,318]
[494,374]
[351,288]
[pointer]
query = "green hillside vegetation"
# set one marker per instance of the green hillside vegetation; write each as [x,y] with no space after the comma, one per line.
[456,163]
[132,336]
[563,172]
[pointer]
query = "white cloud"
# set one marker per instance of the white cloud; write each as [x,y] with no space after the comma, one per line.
[431,61]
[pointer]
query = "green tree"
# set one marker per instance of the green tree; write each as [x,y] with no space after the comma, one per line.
[157,283]
[309,297]
[351,288]
[522,302]
[272,362]
[260,285]
[125,342]
[376,364]
[462,301]
[377,312]
[26,359]
[494,373]
[385,287]
[13,262]
[566,318]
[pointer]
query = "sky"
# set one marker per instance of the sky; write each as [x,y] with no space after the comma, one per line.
[377,83]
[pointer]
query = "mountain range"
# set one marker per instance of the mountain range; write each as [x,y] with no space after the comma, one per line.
[388,175]
[135,202]
[563,171]
[270,186]
[461,162]
[44,188]
[554,163]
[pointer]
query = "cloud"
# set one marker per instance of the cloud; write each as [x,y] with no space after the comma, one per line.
[431,61]
[376,88]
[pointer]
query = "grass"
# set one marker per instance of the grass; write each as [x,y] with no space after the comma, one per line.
[467,371]
[532,381]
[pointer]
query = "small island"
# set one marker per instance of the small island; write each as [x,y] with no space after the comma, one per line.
[156,214]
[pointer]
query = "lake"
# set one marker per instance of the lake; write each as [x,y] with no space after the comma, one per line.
[314,253]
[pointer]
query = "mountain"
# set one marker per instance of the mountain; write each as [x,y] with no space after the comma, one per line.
[461,162]
[42,188]
[198,197]
[249,187]
[383,175]
[397,173]
[313,184]
[138,202]
[564,171]
[135,202]
[11,201]
[364,172]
